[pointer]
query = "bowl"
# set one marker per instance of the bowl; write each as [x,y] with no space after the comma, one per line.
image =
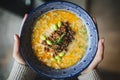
[39,67]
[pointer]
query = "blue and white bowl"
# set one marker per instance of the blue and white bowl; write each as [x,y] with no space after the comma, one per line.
[39,67]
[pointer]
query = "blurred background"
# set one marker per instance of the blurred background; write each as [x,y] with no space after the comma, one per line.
[107,13]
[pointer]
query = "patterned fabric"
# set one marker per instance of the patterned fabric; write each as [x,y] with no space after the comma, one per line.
[92,75]
[23,72]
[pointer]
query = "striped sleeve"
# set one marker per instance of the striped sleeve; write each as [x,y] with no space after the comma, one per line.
[92,75]
[21,72]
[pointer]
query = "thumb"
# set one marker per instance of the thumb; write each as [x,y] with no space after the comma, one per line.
[16,53]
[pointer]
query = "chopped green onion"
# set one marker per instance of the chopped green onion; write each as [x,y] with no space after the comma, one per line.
[62,54]
[59,24]
[43,37]
[59,40]
[62,35]
[49,42]
[53,59]
[58,58]
[54,27]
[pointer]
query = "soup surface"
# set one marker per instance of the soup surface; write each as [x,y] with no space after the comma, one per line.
[59,39]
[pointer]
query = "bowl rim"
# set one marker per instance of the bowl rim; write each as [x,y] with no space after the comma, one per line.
[27,62]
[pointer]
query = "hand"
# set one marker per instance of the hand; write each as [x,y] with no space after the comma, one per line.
[16,53]
[98,58]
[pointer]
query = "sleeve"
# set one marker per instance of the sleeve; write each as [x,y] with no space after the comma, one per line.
[21,72]
[92,75]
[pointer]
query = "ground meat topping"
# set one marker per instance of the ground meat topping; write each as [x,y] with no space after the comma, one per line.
[59,39]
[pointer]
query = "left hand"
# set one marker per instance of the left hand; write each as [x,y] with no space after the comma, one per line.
[16,52]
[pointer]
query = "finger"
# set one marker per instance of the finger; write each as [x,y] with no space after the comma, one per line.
[16,44]
[95,21]
[16,54]
[99,55]
[25,16]
[100,51]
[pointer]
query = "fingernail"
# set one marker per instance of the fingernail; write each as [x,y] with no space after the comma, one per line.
[103,40]
[15,37]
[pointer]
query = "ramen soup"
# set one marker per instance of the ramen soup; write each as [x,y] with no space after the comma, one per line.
[59,39]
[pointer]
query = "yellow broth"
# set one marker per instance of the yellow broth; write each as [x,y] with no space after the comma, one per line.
[76,48]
